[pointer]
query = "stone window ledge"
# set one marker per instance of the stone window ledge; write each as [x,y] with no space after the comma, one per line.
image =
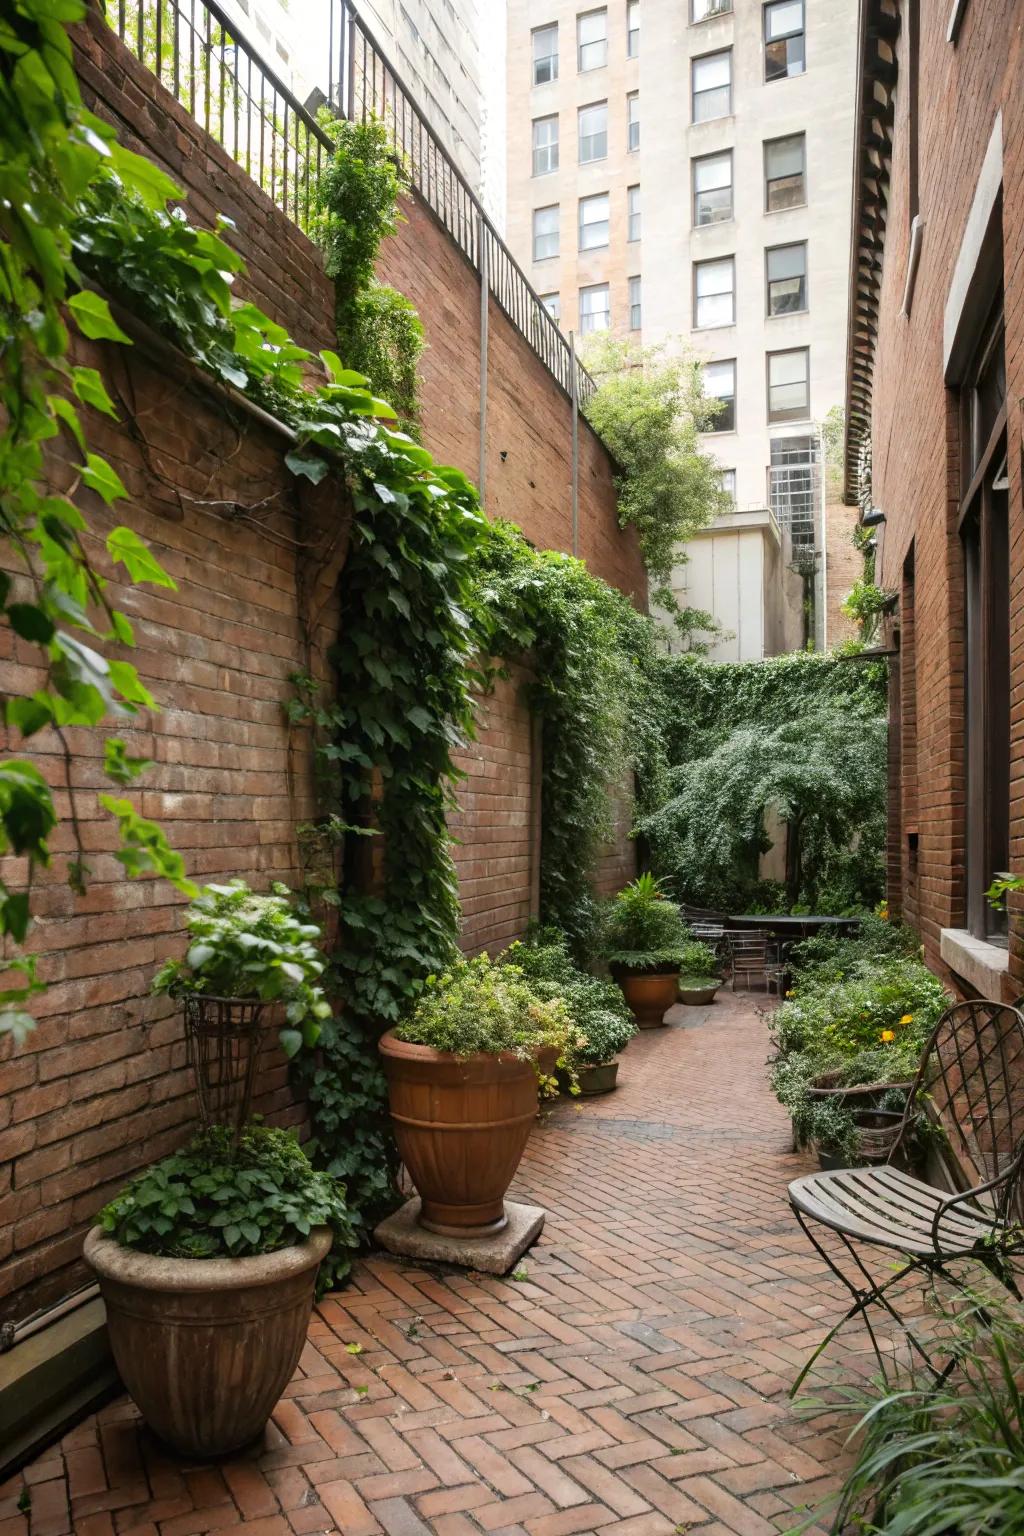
[983,965]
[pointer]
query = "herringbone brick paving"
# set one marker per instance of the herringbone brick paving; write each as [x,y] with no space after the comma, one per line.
[633,1383]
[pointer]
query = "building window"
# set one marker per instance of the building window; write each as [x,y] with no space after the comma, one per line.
[794,486]
[789,388]
[595,310]
[635,305]
[545,232]
[783,39]
[633,120]
[727,484]
[984,531]
[545,54]
[545,145]
[593,222]
[591,40]
[553,304]
[720,384]
[712,86]
[712,188]
[633,213]
[785,175]
[633,29]
[593,132]
[714,292]
[786,269]
[703,10]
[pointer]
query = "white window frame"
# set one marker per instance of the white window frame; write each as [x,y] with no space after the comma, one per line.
[589,315]
[634,214]
[636,301]
[601,136]
[707,10]
[594,42]
[721,362]
[632,29]
[708,90]
[550,58]
[583,223]
[544,156]
[632,121]
[546,234]
[552,302]
[696,163]
[727,264]
[801,412]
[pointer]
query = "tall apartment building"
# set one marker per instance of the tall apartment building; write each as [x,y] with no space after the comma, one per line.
[681,170]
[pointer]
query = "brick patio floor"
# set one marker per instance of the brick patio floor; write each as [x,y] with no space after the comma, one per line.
[633,1383]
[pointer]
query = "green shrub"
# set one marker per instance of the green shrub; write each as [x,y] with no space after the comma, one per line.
[249,946]
[642,929]
[597,1008]
[214,1199]
[482,1006]
[698,961]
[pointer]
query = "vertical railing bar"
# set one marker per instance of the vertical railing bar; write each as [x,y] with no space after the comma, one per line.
[159,41]
[177,51]
[248,115]
[284,161]
[206,71]
[220,92]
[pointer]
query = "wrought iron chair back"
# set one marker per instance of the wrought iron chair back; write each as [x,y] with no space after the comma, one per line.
[972,1076]
[748,954]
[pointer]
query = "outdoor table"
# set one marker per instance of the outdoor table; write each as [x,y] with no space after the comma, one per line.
[791,924]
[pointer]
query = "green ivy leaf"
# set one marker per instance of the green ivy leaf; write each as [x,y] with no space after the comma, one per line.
[65,412]
[31,623]
[101,478]
[29,715]
[90,389]
[93,317]
[118,765]
[126,548]
[300,464]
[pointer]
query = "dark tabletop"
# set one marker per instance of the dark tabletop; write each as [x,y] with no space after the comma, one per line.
[804,920]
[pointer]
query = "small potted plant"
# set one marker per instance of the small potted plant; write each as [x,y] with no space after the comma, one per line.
[642,942]
[207,1264]
[698,973]
[605,1025]
[246,951]
[463,1072]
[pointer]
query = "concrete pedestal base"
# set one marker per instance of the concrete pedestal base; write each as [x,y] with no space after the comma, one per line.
[401,1233]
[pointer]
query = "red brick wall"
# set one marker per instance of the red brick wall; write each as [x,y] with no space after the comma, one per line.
[916,476]
[100,1088]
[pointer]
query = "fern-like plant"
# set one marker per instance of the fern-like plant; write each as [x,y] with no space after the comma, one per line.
[643,930]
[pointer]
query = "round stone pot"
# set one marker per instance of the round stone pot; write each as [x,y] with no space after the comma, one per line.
[205,1347]
[462,1124]
[649,994]
[698,991]
[599,1079]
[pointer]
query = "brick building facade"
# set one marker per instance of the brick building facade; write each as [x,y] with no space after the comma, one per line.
[100,1088]
[936,383]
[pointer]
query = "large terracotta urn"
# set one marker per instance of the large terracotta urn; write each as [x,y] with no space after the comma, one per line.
[206,1346]
[649,994]
[462,1124]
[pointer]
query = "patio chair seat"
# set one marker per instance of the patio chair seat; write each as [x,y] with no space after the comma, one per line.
[888,1207]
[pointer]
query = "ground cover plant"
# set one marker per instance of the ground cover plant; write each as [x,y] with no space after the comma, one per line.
[603,1022]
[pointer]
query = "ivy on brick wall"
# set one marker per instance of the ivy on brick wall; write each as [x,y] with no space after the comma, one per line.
[355,200]
[54,594]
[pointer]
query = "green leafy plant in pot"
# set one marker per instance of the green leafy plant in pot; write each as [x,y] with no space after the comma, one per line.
[246,951]
[604,1024]
[463,1071]
[699,977]
[642,941]
[207,1263]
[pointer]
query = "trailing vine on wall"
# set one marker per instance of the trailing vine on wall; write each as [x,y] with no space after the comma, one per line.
[356,207]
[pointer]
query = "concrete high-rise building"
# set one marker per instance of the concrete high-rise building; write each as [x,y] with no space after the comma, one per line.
[681,170]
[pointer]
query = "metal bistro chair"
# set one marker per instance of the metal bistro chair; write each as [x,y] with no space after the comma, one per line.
[748,956]
[711,934]
[971,1077]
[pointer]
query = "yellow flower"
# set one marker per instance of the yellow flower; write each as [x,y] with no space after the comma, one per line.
[887,1035]
[908,1018]
[791,994]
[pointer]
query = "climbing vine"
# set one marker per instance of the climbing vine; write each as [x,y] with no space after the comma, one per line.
[54,595]
[355,208]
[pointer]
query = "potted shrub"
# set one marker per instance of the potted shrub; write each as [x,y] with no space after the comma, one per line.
[642,941]
[207,1264]
[246,951]
[698,973]
[463,1072]
[605,1025]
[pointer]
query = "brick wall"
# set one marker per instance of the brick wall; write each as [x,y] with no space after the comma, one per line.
[914,431]
[843,565]
[100,1088]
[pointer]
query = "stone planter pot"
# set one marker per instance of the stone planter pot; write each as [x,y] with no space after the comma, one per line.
[698,991]
[649,994]
[598,1079]
[462,1124]
[205,1347]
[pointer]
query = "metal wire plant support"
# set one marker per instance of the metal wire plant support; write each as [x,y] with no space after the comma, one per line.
[224,1036]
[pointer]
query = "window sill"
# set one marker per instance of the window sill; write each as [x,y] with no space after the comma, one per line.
[789,314]
[981,964]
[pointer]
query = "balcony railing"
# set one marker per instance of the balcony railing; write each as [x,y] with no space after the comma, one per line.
[220,78]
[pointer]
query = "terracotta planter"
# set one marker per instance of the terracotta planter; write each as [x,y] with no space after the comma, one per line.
[599,1079]
[649,994]
[462,1124]
[697,992]
[206,1346]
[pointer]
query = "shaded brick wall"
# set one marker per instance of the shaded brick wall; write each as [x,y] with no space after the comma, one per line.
[914,430]
[100,1088]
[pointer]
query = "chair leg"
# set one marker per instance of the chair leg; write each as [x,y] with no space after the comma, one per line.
[863,1297]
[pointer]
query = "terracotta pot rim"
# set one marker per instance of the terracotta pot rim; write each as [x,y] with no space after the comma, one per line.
[631,971]
[155,1272]
[390,1045]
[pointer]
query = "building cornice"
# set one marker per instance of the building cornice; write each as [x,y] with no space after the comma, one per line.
[879,28]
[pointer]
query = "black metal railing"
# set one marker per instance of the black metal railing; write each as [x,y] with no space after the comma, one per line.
[198,53]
